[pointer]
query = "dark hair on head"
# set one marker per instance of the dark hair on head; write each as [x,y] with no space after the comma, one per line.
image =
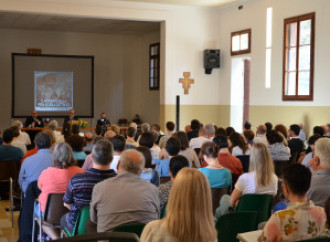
[66,130]
[281,128]
[99,130]
[298,178]
[269,126]
[237,140]
[156,126]
[147,156]
[184,141]
[15,131]
[248,134]
[247,125]
[75,129]
[118,142]
[312,139]
[210,149]
[147,140]
[173,146]
[103,152]
[318,130]
[8,135]
[230,131]
[273,137]
[195,124]
[170,125]
[220,131]
[131,132]
[76,142]
[295,129]
[177,163]
[155,135]
[220,141]
[97,139]
[43,140]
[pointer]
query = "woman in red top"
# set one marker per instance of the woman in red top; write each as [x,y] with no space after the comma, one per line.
[56,179]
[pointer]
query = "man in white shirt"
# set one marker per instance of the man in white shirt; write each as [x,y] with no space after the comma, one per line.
[23,137]
[118,142]
[196,143]
[261,135]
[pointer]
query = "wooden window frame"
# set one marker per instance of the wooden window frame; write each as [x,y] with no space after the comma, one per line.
[157,58]
[287,21]
[240,52]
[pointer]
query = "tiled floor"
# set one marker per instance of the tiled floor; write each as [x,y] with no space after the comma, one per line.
[7,233]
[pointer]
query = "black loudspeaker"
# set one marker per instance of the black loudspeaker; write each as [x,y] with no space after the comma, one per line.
[211,60]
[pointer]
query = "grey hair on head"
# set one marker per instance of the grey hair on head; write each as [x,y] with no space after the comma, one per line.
[53,124]
[103,152]
[18,123]
[145,127]
[132,161]
[209,129]
[63,156]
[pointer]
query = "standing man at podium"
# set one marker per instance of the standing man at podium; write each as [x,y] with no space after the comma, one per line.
[103,121]
[34,121]
[71,117]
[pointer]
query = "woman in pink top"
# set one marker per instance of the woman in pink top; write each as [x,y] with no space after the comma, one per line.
[56,179]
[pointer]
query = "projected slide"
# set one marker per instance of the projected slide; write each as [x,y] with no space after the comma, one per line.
[53,91]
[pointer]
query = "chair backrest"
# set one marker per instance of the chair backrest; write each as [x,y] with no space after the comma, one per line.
[130,228]
[54,208]
[217,193]
[229,225]
[163,212]
[320,239]
[260,203]
[9,169]
[104,236]
[245,160]
[83,216]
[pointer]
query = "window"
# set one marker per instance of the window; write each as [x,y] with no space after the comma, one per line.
[154,50]
[241,42]
[298,57]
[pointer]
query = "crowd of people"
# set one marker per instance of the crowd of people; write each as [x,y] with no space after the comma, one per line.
[132,177]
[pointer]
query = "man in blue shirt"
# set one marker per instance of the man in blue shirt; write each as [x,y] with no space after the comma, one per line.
[7,151]
[35,164]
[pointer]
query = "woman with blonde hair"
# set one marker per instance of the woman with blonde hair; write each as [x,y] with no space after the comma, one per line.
[189,216]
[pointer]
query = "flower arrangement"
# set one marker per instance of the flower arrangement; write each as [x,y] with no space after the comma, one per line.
[82,124]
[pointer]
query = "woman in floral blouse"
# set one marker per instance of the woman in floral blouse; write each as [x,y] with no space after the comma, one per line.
[301,219]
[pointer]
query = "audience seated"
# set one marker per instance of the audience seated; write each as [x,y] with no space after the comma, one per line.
[217,175]
[77,144]
[145,128]
[89,142]
[16,142]
[118,143]
[170,128]
[320,190]
[220,131]
[260,180]
[79,191]
[248,136]
[162,145]
[278,150]
[196,143]
[7,151]
[55,179]
[261,135]
[149,173]
[132,200]
[226,159]
[301,220]
[237,145]
[53,125]
[155,129]
[309,156]
[229,131]
[155,150]
[187,152]
[295,144]
[194,126]
[23,136]
[318,130]
[176,164]
[269,126]
[172,148]
[89,159]
[66,131]
[185,220]
[130,141]
[302,134]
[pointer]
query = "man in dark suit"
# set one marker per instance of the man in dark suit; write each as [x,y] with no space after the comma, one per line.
[103,121]
[295,143]
[34,121]
[71,117]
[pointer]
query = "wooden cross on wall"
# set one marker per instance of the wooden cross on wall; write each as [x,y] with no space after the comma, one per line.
[186,82]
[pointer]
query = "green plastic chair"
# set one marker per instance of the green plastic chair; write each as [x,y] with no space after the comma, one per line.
[80,225]
[229,225]
[135,228]
[320,239]
[163,212]
[260,203]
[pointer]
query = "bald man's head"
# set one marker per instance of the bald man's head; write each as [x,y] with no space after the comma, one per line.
[132,161]
[110,134]
[262,129]
[89,137]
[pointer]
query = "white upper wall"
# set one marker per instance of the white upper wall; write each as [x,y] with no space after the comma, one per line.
[253,16]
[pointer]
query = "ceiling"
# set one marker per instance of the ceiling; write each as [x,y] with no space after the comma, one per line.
[73,24]
[198,3]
